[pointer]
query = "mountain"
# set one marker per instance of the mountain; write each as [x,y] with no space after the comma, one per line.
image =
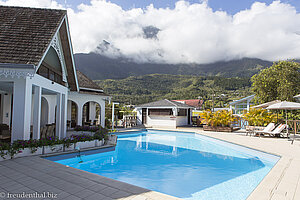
[99,67]
[147,88]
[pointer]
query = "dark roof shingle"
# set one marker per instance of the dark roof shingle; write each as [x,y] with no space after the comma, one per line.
[164,103]
[25,33]
[85,82]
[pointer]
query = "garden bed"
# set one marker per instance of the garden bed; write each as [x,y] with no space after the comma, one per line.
[219,128]
[44,146]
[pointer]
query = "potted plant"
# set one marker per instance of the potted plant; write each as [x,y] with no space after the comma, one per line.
[51,145]
[27,147]
[4,147]
[68,144]
[84,141]
[100,136]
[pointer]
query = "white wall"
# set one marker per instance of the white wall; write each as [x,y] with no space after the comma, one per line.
[81,99]
[167,121]
[51,99]
[138,116]
[181,120]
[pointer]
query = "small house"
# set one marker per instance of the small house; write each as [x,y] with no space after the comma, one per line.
[164,113]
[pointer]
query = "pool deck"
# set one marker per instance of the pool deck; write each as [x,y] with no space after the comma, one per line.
[35,174]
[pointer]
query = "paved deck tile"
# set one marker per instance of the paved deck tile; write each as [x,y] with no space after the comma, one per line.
[35,174]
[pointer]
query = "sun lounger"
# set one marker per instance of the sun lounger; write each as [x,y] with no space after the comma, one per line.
[277,131]
[268,128]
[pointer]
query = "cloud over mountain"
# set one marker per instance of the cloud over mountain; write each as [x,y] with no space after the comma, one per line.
[189,33]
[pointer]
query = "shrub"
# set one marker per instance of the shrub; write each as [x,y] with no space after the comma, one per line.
[220,118]
[259,117]
[4,147]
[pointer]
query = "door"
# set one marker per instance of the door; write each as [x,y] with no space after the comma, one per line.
[189,116]
[144,115]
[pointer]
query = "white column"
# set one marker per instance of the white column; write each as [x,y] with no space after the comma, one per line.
[79,114]
[92,111]
[175,112]
[69,110]
[64,102]
[37,112]
[248,105]
[6,108]
[102,115]
[58,115]
[22,92]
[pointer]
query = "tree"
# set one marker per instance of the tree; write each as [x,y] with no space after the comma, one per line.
[281,81]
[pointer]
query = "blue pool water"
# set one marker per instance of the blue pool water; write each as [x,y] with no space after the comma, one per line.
[184,165]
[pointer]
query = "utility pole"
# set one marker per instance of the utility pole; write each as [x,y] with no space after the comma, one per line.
[213,102]
[113,115]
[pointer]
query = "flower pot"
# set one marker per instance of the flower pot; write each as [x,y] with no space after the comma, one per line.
[28,152]
[99,143]
[53,149]
[6,157]
[86,144]
[217,128]
[70,148]
[112,140]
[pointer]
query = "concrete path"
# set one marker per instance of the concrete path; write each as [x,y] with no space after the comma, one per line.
[35,175]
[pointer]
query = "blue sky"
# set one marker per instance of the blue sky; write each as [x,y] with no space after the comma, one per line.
[230,6]
[191,33]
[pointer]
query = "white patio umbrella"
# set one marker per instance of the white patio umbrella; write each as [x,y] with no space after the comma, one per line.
[285,105]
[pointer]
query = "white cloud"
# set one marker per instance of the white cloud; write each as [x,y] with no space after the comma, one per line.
[189,33]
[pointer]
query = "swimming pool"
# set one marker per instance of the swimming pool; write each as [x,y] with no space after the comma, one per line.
[185,165]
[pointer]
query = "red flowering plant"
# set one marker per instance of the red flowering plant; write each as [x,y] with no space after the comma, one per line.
[4,147]
[50,141]
[82,138]
[67,142]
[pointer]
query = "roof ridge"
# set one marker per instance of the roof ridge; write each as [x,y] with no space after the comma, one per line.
[23,7]
[170,101]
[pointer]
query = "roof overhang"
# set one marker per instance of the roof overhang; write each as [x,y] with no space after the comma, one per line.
[243,99]
[90,89]
[166,107]
[17,70]
[66,43]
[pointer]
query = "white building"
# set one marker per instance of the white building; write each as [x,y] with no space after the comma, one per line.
[164,113]
[38,78]
[238,106]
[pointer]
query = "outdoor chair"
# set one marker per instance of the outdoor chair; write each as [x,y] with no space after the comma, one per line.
[43,131]
[4,132]
[249,130]
[267,129]
[50,130]
[277,131]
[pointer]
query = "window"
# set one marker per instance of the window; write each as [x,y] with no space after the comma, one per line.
[182,112]
[47,72]
[160,112]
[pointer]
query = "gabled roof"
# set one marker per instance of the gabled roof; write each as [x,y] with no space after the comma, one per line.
[25,33]
[243,99]
[191,102]
[87,86]
[85,82]
[164,103]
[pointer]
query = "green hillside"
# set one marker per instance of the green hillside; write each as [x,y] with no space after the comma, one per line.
[147,88]
[99,67]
